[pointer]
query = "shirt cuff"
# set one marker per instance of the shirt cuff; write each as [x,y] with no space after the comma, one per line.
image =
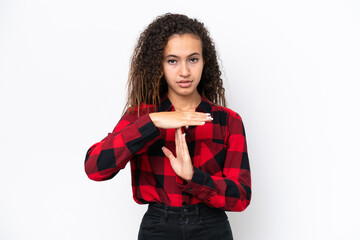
[196,186]
[139,134]
[199,185]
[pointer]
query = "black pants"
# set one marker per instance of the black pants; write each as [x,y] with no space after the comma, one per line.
[184,223]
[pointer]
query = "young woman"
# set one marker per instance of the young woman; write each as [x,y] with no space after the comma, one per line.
[187,151]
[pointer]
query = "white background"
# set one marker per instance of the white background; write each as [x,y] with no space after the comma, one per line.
[291,69]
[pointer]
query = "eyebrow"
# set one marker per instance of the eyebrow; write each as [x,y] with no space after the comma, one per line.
[174,56]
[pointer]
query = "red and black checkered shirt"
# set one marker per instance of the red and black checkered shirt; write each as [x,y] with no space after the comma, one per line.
[218,151]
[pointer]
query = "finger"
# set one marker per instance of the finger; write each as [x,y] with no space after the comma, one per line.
[184,145]
[200,115]
[194,123]
[184,148]
[181,143]
[183,152]
[200,118]
[168,153]
[177,140]
[196,118]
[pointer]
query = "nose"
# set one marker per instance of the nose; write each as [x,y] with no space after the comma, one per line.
[184,70]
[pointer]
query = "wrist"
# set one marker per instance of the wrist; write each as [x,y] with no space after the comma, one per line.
[153,118]
[188,177]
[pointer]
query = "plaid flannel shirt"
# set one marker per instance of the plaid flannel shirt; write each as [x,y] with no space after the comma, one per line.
[218,151]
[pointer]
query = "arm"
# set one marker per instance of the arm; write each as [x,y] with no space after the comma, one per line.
[232,191]
[132,135]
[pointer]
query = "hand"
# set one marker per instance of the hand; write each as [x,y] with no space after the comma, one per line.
[179,119]
[181,164]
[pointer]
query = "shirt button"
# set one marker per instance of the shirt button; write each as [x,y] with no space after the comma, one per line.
[190,189]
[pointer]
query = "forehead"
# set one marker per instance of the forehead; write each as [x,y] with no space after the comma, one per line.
[183,44]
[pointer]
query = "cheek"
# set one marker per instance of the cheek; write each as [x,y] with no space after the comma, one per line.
[170,73]
[198,71]
[168,79]
[166,74]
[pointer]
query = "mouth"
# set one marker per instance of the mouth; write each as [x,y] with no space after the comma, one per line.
[184,83]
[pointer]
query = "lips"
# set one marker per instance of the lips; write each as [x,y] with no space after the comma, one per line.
[184,83]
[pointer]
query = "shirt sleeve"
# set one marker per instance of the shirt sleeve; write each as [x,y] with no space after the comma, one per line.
[232,192]
[132,135]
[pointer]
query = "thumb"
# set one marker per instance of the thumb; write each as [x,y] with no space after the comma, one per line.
[168,153]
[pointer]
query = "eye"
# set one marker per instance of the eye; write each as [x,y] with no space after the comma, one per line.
[194,60]
[171,61]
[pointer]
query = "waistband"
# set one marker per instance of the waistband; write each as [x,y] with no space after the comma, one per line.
[177,209]
[197,209]
[197,213]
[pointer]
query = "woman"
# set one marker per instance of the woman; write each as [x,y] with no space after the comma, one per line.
[187,151]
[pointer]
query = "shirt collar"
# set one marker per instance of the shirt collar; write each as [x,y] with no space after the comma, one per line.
[204,106]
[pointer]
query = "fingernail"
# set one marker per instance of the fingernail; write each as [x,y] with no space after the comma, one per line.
[209,117]
[208,113]
[202,123]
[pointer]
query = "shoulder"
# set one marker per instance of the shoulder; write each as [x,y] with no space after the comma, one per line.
[143,108]
[219,111]
[229,118]
[230,114]
[136,112]
[132,114]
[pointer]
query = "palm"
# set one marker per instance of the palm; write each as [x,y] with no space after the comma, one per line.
[177,119]
[181,164]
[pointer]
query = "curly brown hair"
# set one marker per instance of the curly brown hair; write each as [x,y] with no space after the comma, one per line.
[146,82]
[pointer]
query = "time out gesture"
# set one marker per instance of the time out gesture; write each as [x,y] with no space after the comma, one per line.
[181,164]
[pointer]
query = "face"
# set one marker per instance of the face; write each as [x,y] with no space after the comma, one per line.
[183,64]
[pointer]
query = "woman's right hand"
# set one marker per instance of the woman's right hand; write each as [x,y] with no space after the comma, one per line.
[179,119]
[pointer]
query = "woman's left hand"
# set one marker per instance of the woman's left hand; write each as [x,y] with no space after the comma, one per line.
[181,164]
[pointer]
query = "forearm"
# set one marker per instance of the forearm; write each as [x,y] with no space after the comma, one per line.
[104,159]
[176,119]
[229,187]
[219,192]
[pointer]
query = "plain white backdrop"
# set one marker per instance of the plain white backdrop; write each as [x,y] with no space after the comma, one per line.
[291,70]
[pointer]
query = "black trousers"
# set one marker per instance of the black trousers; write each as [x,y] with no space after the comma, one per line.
[184,223]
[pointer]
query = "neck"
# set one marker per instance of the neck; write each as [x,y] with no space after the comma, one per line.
[185,103]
